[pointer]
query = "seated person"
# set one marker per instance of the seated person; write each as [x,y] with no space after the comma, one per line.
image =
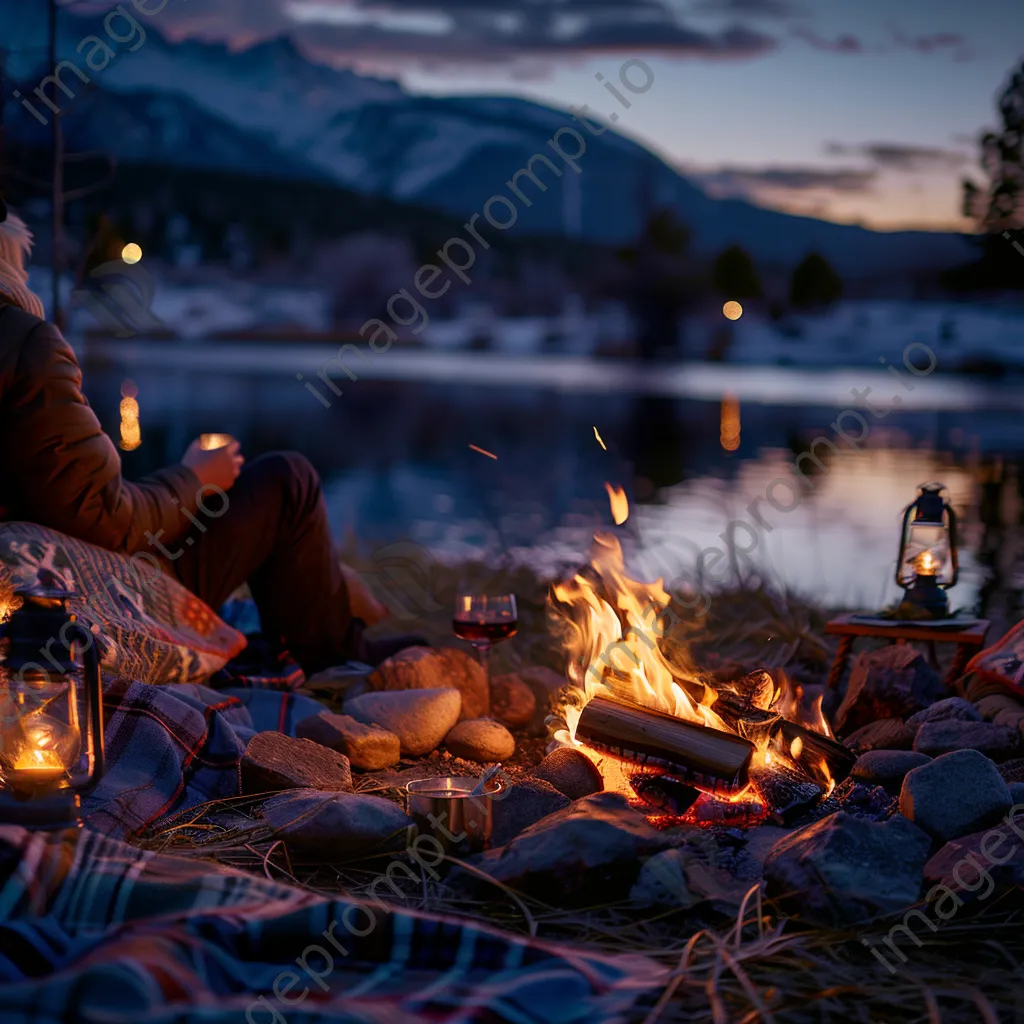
[211,521]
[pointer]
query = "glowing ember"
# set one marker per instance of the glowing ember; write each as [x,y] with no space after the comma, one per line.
[619,503]
[484,451]
[600,440]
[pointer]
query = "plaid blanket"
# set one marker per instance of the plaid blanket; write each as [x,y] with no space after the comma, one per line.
[174,747]
[94,930]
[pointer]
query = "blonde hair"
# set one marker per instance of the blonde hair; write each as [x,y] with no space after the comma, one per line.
[17,235]
[15,249]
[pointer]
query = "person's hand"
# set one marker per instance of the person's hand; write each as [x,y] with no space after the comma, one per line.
[220,468]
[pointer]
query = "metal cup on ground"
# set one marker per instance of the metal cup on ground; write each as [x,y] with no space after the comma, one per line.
[445,808]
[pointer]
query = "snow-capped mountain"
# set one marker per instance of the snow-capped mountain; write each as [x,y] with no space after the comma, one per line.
[270,110]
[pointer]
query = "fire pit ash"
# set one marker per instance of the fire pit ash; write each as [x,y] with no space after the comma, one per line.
[666,734]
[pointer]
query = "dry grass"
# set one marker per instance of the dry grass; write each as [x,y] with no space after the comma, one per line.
[729,967]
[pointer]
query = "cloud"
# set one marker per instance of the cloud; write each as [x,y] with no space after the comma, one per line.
[760,182]
[845,43]
[895,156]
[932,43]
[504,31]
[473,33]
[750,8]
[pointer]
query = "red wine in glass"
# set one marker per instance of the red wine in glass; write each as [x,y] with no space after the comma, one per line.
[484,620]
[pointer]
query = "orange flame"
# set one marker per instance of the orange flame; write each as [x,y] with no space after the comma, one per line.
[620,504]
[613,624]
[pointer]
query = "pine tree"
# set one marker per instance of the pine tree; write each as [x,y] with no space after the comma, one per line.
[734,275]
[814,283]
[998,204]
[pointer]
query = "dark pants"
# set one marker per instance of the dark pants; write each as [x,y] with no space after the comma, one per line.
[273,533]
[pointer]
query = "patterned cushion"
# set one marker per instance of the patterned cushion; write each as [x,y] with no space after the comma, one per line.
[999,668]
[150,627]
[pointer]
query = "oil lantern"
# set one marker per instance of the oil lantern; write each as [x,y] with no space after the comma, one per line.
[927,566]
[51,714]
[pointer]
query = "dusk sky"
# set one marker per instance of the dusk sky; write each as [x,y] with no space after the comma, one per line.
[856,111]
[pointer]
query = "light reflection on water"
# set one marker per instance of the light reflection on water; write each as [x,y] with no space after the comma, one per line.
[397,465]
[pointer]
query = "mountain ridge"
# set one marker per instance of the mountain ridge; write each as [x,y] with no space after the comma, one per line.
[284,113]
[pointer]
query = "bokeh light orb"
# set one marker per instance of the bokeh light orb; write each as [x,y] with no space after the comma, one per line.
[132,252]
[732,310]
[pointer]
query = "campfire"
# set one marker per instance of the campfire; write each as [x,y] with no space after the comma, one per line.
[664,733]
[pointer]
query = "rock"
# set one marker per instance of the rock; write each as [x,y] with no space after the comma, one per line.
[682,877]
[340,681]
[337,823]
[571,772]
[886,767]
[995,741]
[512,701]
[432,668]
[545,684]
[419,718]
[894,682]
[591,850]
[662,882]
[1016,792]
[954,795]
[481,739]
[366,746]
[843,869]
[990,706]
[952,708]
[273,761]
[885,734]
[862,800]
[1012,771]
[962,864]
[524,804]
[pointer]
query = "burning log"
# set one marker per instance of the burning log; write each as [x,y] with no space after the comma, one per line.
[743,813]
[787,793]
[707,759]
[664,793]
[815,749]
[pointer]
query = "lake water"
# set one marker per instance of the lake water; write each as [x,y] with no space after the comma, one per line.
[394,452]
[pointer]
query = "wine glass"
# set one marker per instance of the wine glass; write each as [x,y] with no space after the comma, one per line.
[485,620]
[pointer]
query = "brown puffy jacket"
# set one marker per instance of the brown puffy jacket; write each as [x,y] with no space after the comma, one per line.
[57,467]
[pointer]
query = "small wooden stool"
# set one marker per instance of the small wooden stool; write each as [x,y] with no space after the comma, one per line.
[968,637]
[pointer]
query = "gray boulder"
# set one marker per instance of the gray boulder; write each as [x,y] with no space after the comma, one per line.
[337,823]
[995,741]
[954,795]
[842,869]
[974,866]
[886,767]
[662,882]
[944,710]
[419,718]
[591,850]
